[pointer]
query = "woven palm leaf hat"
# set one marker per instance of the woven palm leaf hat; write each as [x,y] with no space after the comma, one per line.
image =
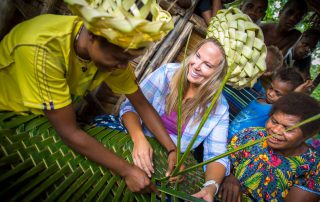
[130,24]
[244,46]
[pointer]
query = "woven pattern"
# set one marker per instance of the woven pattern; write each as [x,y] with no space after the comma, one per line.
[243,43]
[130,24]
[36,165]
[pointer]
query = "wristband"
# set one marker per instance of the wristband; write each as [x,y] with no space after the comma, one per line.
[170,151]
[212,182]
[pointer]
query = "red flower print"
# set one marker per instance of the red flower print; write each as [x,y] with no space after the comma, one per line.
[267,196]
[310,183]
[260,134]
[271,176]
[274,161]
[305,167]
[246,154]
[312,160]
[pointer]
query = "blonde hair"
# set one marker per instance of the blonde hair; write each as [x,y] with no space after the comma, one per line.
[206,90]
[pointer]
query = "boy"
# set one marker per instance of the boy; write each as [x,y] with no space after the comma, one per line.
[257,111]
[283,34]
[255,9]
[301,53]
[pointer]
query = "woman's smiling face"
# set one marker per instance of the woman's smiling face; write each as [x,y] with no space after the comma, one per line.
[204,63]
[284,141]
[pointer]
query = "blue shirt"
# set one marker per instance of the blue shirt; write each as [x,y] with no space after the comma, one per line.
[214,132]
[255,114]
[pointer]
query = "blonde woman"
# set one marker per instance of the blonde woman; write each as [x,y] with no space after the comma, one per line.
[202,76]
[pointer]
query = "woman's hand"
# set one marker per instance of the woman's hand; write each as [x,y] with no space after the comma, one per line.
[206,193]
[172,161]
[230,189]
[142,155]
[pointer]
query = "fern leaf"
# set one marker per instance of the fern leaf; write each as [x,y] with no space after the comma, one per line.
[295,162]
[254,181]
[282,182]
[241,168]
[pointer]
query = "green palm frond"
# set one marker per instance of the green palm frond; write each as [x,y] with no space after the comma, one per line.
[37,165]
[282,182]
[253,181]
[241,168]
[295,162]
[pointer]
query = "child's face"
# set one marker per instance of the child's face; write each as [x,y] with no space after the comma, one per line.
[255,9]
[304,47]
[290,17]
[276,90]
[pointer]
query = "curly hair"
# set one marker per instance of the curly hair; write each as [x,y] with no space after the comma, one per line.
[289,75]
[302,106]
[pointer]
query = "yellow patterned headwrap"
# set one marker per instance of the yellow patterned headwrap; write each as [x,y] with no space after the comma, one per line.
[124,23]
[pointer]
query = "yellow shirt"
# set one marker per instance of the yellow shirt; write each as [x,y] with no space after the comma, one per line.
[40,70]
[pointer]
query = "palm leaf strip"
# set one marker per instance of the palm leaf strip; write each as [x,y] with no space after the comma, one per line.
[241,147]
[203,120]
[180,101]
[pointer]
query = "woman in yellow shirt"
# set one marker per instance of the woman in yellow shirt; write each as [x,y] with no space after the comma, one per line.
[48,59]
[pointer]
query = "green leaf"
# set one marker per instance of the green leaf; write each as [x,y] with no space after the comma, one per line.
[254,181]
[282,182]
[241,168]
[295,162]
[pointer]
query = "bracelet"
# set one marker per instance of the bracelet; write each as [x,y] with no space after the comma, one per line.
[212,182]
[170,151]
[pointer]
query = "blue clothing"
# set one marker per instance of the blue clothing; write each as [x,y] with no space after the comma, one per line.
[110,121]
[259,88]
[265,175]
[214,132]
[238,99]
[255,114]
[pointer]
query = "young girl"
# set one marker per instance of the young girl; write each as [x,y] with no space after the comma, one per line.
[257,111]
[202,76]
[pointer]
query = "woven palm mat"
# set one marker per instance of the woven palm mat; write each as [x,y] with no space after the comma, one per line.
[36,165]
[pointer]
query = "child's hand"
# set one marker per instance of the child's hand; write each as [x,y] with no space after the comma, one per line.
[304,88]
